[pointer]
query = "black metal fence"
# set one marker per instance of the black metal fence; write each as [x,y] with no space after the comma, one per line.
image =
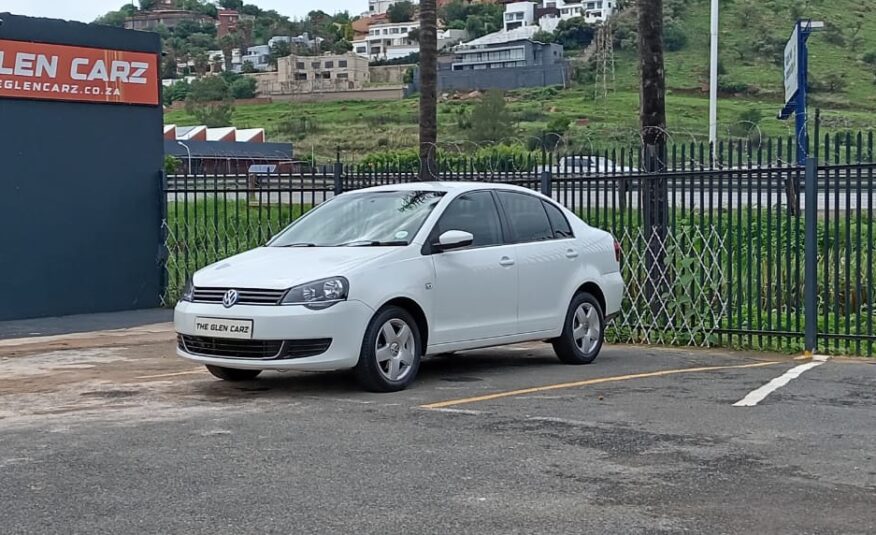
[732,250]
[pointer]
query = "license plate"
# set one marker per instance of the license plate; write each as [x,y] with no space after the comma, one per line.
[224,328]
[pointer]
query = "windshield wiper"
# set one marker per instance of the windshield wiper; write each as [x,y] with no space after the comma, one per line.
[304,244]
[375,243]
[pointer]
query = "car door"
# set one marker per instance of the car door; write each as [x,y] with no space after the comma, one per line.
[475,287]
[546,259]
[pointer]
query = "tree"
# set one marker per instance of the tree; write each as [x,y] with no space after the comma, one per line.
[280,49]
[201,61]
[248,68]
[401,11]
[146,5]
[227,43]
[490,119]
[574,33]
[237,5]
[653,123]
[243,87]
[209,100]
[544,37]
[428,88]
[674,38]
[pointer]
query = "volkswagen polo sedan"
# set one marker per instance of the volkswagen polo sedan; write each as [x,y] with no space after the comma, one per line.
[374,280]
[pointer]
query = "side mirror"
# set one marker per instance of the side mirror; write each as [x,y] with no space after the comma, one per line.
[454,239]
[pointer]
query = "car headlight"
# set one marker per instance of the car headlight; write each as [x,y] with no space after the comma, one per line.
[188,293]
[319,294]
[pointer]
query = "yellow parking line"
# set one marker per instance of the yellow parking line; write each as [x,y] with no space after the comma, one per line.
[616,378]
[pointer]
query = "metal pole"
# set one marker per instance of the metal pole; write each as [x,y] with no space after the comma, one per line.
[810,285]
[183,145]
[713,79]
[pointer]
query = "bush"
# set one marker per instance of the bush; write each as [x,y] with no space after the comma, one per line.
[674,38]
[869,57]
[244,87]
[490,119]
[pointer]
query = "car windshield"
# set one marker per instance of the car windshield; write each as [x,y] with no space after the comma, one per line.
[374,218]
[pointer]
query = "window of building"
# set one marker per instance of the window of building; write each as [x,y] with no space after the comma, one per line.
[342,64]
[315,64]
[300,65]
[394,30]
[301,76]
[342,76]
[329,64]
[326,76]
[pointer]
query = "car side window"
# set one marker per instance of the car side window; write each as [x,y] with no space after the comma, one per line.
[560,224]
[474,213]
[526,216]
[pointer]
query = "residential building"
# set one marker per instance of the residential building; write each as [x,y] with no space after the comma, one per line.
[386,41]
[593,12]
[298,74]
[258,56]
[519,14]
[378,7]
[164,15]
[504,60]
[228,21]
[301,41]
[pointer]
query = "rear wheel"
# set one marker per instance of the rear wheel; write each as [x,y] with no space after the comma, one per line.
[583,331]
[391,351]
[233,375]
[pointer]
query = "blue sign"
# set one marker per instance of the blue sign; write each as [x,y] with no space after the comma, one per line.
[796,75]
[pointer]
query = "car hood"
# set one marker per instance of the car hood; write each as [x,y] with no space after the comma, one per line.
[278,268]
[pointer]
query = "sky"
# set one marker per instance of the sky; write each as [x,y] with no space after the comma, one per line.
[88,10]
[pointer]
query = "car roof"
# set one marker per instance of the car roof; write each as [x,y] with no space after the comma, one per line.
[447,187]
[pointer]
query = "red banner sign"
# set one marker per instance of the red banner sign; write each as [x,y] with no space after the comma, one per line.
[56,72]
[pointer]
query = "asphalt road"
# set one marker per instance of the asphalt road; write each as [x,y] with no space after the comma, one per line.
[131,440]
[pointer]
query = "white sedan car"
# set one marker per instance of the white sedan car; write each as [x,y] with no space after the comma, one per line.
[376,279]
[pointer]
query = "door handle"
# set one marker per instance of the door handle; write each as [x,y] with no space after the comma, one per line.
[571,253]
[506,261]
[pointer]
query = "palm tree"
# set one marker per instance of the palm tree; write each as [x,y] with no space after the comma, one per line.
[428,37]
[227,42]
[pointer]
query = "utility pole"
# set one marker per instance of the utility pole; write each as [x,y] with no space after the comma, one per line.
[428,89]
[653,119]
[713,80]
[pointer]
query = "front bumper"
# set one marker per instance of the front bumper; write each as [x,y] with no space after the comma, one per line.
[344,323]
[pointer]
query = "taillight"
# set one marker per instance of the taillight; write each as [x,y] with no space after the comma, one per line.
[617,251]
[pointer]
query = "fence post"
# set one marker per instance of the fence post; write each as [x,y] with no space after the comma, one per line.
[163,253]
[546,182]
[338,172]
[810,287]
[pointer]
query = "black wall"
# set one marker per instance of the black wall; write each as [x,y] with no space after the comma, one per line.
[80,191]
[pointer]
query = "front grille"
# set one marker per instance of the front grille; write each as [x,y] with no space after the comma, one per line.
[246,296]
[252,349]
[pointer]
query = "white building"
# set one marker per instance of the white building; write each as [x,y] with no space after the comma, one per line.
[593,12]
[519,14]
[392,40]
[378,7]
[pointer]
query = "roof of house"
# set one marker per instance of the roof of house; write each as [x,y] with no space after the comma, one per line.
[500,37]
[229,150]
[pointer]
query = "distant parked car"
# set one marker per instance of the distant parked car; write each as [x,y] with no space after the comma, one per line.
[375,279]
[587,165]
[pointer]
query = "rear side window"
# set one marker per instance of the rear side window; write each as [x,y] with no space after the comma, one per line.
[558,220]
[474,213]
[526,216]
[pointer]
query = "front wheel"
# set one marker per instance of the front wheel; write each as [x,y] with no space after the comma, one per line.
[583,331]
[233,375]
[391,350]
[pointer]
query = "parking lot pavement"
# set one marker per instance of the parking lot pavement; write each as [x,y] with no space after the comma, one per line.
[131,439]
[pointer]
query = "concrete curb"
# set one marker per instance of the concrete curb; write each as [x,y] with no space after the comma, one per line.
[159,332]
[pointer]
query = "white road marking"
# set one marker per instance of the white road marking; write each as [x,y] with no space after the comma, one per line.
[457,411]
[756,396]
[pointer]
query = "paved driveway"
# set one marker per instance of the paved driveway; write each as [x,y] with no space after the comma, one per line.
[128,439]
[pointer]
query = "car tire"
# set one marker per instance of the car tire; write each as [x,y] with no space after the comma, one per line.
[391,351]
[583,331]
[232,374]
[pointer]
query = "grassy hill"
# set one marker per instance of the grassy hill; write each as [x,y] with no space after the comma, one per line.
[753,34]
